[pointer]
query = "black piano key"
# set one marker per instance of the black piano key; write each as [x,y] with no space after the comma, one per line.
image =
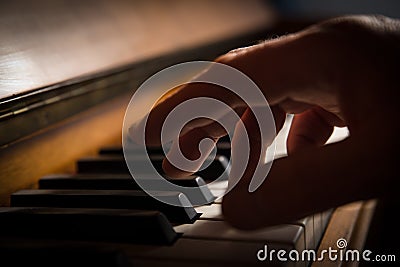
[118,151]
[106,164]
[224,139]
[223,148]
[108,199]
[117,164]
[219,167]
[133,226]
[49,253]
[106,181]
[89,181]
[125,182]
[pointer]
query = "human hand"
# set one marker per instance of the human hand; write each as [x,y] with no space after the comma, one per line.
[341,72]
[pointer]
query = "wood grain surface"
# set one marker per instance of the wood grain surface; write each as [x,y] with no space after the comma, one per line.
[44,42]
[56,149]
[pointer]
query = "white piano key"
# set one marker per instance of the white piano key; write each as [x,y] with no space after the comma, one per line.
[210,212]
[308,224]
[218,185]
[218,200]
[188,252]
[214,212]
[291,235]
[318,228]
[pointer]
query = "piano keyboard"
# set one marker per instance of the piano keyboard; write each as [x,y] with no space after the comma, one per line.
[101,216]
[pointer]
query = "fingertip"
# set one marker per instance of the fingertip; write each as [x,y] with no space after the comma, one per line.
[173,172]
[308,129]
[139,132]
[134,132]
[187,154]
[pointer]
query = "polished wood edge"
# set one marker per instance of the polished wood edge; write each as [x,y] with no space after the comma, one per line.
[350,222]
[42,108]
[361,229]
[56,148]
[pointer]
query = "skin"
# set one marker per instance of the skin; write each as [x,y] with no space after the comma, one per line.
[341,72]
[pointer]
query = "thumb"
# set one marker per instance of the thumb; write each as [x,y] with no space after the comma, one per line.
[304,183]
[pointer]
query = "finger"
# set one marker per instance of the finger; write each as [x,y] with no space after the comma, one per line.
[287,69]
[246,149]
[186,158]
[307,182]
[279,117]
[250,143]
[188,153]
[269,65]
[189,143]
[157,116]
[308,128]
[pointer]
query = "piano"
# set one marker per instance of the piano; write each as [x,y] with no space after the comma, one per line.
[67,72]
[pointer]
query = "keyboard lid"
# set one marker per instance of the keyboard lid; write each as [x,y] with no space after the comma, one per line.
[58,57]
